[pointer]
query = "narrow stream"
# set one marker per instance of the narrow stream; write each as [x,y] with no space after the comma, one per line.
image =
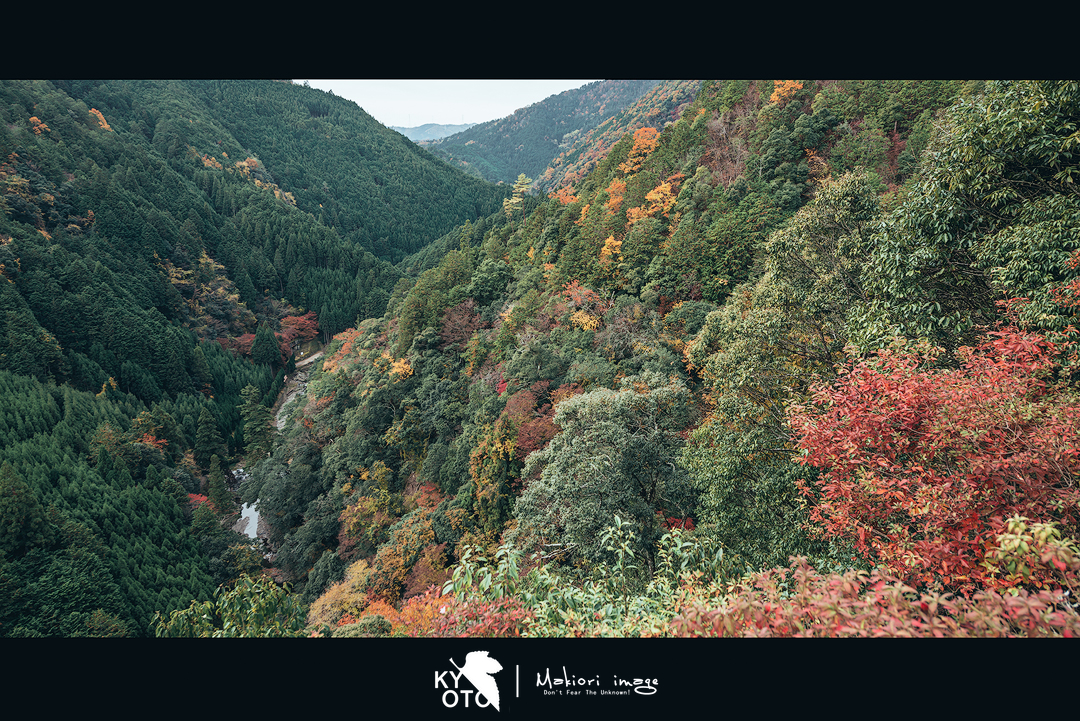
[249,521]
[249,516]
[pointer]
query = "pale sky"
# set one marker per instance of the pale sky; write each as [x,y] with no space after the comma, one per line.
[411,103]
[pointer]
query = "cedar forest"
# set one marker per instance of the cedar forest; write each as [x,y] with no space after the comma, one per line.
[747,358]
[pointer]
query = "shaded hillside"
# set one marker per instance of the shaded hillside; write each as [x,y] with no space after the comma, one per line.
[526,141]
[156,277]
[354,174]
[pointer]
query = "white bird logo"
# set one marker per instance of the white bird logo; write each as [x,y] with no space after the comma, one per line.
[478,669]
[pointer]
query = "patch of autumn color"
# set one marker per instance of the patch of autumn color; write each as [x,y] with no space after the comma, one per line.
[820,172]
[38,126]
[616,190]
[922,466]
[661,199]
[151,440]
[209,161]
[196,500]
[420,614]
[783,91]
[379,607]
[584,320]
[100,118]
[645,141]
[349,596]
[610,249]
[584,212]
[348,340]
[400,369]
[579,294]
[246,166]
[564,195]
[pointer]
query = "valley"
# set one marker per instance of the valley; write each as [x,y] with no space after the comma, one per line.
[637,375]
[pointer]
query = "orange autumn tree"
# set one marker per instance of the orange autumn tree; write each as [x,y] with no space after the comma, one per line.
[611,250]
[661,199]
[101,119]
[784,90]
[564,195]
[645,141]
[616,190]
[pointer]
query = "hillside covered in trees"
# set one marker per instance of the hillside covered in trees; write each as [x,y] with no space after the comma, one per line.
[527,141]
[799,360]
[813,332]
[153,268]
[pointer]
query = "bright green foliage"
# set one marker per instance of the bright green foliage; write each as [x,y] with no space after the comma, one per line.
[621,599]
[994,216]
[614,455]
[253,608]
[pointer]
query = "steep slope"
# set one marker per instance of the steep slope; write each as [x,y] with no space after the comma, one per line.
[342,166]
[709,267]
[156,276]
[526,141]
[582,149]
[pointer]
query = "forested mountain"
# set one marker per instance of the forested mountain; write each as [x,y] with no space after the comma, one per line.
[527,141]
[154,267]
[830,320]
[583,149]
[798,361]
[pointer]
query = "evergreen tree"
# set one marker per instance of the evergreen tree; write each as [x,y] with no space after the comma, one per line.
[258,424]
[265,349]
[22,521]
[203,376]
[217,493]
[208,441]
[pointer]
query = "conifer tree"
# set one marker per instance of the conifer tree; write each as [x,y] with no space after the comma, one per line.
[208,439]
[265,349]
[217,493]
[258,420]
[516,201]
[22,521]
[203,377]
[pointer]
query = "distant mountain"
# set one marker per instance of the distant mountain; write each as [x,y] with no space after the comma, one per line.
[430,131]
[527,141]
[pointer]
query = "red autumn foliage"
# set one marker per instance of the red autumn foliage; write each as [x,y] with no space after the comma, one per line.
[303,327]
[197,499]
[671,523]
[458,325]
[799,602]
[922,467]
[501,618]
[535,426]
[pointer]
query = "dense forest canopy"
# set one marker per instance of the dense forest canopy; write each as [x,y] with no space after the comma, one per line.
[743,338]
